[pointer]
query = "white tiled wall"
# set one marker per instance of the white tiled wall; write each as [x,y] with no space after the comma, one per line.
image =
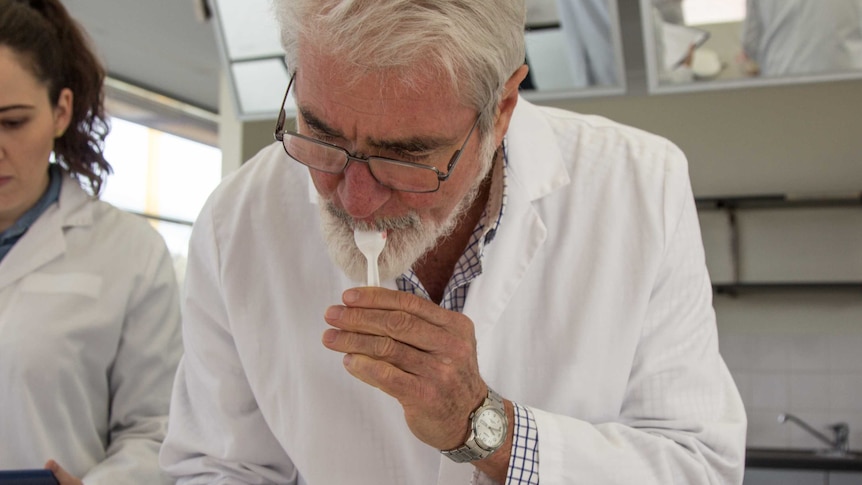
[796,352]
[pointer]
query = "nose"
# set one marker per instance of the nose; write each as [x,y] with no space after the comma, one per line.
[360,194]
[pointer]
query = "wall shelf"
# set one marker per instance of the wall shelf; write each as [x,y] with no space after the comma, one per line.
[733,289]
[732,204]
[779,201]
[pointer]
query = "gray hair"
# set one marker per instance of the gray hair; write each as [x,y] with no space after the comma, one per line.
[475,45]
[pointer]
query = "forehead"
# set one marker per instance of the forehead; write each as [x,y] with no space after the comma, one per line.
[395,99]
[17,83]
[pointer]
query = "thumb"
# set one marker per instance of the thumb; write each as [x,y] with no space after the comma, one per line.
[63,477]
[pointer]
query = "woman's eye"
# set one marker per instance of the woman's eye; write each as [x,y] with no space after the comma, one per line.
[12,123]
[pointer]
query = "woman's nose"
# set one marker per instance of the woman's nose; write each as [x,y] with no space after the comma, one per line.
[360,193]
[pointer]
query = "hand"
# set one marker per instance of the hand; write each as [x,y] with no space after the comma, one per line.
[415,351]
[62,475]
[747,65]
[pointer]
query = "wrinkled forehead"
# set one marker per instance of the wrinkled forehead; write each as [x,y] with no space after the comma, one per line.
[325,76]
[413,68]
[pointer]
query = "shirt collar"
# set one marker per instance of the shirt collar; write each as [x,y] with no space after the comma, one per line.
[469,266]
[51,195]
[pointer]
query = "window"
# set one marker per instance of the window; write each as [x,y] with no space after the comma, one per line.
[699,12]
[163,177]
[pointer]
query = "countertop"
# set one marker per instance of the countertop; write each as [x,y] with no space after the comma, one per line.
[802,459]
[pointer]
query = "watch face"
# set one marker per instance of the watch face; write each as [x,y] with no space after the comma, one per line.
[490,429]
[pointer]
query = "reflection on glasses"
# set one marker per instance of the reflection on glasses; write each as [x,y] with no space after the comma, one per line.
[389,172]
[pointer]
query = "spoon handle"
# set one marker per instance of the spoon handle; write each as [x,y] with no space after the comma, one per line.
[373,273]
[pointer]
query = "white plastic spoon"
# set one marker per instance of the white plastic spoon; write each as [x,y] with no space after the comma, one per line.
[371,244]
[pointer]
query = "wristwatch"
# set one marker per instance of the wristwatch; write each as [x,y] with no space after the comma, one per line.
[488,429]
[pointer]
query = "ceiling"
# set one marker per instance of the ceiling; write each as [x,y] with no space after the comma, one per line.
[162,59]
[159,45]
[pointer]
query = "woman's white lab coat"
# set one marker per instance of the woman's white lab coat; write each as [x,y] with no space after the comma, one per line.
[594,309]
[89,342]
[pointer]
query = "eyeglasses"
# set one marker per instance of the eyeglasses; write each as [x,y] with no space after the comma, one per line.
[389,172]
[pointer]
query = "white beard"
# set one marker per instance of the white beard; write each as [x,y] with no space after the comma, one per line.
[408,238]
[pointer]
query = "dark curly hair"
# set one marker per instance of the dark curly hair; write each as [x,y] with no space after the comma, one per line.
[55,48]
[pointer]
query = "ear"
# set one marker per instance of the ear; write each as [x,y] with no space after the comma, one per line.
[63,112]
[507,103]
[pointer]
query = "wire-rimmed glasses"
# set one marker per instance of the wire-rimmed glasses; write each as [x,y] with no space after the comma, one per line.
[389,172]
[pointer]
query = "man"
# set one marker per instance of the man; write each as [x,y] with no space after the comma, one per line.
[543,279]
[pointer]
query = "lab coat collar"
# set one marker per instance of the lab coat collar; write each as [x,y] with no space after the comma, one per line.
[536,168]
[534,155]
[45,240]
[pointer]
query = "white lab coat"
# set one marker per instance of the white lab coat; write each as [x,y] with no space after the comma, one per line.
[89,342]
[803,36]
[594,309]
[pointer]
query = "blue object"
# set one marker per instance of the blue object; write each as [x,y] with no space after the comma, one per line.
[27,477]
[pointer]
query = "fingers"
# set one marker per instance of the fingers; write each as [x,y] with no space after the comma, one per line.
[383,299]
[62,476]
[398,325]
[405,357]
[384,376]
[402,316]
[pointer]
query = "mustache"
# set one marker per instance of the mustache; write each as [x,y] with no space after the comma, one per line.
[408,221]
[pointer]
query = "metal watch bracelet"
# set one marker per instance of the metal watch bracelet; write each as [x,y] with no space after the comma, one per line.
[471,451]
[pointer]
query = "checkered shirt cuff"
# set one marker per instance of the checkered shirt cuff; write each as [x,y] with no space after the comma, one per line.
[524,462]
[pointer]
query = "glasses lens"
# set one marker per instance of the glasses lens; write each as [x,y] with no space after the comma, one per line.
[331,159]
[408,178]
[313,154]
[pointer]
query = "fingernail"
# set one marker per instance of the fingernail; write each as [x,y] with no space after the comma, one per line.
[334,312]
[347,359]
[329,336]
[350,296]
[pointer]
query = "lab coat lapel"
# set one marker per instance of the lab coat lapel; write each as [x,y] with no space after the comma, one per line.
[507,259]
[535,169]
[44,241]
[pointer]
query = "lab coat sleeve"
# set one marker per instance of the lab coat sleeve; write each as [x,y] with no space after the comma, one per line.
[142,373]
[682,420]
[216,433]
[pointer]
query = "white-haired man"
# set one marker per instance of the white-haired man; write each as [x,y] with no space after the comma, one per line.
[545,312]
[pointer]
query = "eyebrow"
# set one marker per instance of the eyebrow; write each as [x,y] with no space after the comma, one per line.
[319,125]
[16,106]
[409,144]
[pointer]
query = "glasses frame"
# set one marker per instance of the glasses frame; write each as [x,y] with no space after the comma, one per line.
[348,157]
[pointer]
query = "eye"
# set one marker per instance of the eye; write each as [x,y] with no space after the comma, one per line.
[319,135]
[411,156]
[13,123]
[323,137]
[414,156]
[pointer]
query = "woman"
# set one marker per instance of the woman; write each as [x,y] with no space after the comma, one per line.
[89,314]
